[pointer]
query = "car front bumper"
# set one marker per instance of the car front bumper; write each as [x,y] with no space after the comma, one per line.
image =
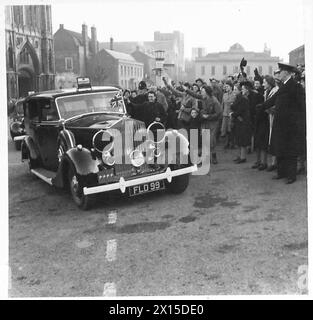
[123,184]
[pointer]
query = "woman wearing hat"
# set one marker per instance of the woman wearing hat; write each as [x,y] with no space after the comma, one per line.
[254,98]
[262,126]
[242,123]
[228,99]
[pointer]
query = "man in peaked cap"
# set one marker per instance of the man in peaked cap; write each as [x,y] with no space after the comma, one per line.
[286,67]
[289,101]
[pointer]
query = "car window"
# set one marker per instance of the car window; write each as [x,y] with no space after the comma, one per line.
[32,110]
[70,106]
[48,110]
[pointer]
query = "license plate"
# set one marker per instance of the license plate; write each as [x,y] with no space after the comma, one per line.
[146,187]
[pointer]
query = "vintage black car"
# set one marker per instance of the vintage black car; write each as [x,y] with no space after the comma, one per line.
[72,141]
[17,130]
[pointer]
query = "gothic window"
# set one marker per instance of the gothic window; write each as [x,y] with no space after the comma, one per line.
[224,70]
[33,15]
[68,63]
[28,16]
[24,56]
[202,70]
[10,54]
[50,60]
[260,69]
[213,70]
[18,15]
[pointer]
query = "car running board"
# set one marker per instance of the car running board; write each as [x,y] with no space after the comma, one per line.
[44,174]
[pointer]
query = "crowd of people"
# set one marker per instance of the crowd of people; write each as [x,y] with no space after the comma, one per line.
[265,115]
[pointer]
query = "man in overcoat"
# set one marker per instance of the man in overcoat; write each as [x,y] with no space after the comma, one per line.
[289,102]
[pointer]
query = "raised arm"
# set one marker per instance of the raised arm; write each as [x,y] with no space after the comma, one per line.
[194,94]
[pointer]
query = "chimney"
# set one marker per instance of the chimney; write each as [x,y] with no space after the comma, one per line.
[111,43]
[62,26]
[94,42]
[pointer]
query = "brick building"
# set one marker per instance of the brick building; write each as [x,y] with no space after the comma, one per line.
[171,43]
[73,51]
[110,67]
[148,61]
[30,63]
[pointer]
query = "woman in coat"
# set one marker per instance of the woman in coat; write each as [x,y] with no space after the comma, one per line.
[262,126]
[210,115]
[242,123]
[254,98]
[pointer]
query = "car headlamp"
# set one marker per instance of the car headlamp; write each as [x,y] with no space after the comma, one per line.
[108,158]
[137,158]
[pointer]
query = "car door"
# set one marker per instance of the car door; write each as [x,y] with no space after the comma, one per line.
[46,132]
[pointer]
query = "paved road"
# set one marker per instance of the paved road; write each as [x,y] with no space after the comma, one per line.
[234,231]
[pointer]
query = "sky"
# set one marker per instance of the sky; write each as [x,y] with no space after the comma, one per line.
[214,25]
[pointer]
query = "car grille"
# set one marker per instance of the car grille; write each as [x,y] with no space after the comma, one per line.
[125,169]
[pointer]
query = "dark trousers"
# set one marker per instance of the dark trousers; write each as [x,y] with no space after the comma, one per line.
[287,166]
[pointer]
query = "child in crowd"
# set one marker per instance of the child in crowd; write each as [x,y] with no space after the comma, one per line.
[194,129]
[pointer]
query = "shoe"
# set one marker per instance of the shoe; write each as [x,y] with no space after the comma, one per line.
[290,180]
[277,177]
[236,159]
[241,161]
[262,166]
[256,165]
[271,168]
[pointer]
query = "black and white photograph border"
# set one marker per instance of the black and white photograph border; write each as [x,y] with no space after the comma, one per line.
[233,233]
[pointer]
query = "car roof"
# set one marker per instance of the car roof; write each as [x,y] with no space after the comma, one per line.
[71,91]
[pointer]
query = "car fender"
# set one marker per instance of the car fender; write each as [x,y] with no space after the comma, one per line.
[68,138]
[82,160]
[85,166]
[28,147]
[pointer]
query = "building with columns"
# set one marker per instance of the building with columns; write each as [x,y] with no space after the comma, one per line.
[30,64]
[221,64]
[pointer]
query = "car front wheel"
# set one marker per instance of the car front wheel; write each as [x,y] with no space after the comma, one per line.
[82,201]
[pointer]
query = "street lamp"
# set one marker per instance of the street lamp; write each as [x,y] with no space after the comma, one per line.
[159,65]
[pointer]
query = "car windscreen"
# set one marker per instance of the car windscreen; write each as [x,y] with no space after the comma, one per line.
[75,105]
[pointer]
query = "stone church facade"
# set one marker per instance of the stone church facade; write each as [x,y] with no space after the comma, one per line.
[30,62]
